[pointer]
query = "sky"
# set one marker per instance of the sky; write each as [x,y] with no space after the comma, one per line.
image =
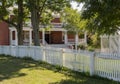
[75,6]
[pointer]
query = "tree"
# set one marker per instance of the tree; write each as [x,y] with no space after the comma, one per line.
[103,15]
[20,22]
[37,8]
[73,21]
[5,13]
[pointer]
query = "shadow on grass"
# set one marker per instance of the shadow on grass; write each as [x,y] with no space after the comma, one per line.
[10,68]
[73,77]
[87,81]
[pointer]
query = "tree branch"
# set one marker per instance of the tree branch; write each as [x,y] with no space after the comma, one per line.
[41,9]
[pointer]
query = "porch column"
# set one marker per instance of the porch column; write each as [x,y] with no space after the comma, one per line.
[85,38]
[16,38]
[43,37]
[119,44]
[65,38]
[30,37]
[10,37]
[101,44]
[76,40]
[110,40]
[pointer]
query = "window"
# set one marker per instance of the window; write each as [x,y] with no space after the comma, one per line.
[13,35]
[63,36]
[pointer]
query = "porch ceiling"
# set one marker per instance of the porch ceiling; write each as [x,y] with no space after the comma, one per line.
[29,28]
[24,28]
[54,29]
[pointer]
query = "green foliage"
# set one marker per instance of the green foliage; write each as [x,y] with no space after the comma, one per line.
[42,9]
[72,20]
[82,47]
[57,5]
[46,18]
[103,15]
[25,14]
[9,7]
[27,58]
[4,5]
[90,48]
[81,34]
[93,40]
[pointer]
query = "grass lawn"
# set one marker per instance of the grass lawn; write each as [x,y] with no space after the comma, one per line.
[24,71]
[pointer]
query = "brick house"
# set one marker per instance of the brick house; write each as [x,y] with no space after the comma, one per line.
[56,35]
[4,34]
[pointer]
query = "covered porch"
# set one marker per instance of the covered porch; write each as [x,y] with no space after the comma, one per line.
[52,36]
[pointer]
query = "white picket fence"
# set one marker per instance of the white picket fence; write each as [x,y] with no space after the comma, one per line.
[101,64]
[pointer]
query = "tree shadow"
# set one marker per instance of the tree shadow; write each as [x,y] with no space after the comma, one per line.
[74,77]
[10,67]
[67,82]
[85,81]
[70,81]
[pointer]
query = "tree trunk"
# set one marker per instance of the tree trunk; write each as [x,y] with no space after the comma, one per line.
[35,24]
[20,22]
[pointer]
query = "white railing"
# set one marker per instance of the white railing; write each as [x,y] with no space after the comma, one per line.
[107,65]
[81,41]
[72,41]
[101,64]
[54,25]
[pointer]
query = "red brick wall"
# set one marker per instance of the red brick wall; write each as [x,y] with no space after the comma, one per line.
[4,33]
[71,36]
[56,37]
[56,20]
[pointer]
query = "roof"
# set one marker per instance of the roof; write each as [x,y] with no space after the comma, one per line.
[29,28]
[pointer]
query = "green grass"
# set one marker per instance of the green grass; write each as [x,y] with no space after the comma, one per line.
[27,71]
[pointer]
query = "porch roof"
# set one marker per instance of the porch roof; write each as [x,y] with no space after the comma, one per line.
[29,28]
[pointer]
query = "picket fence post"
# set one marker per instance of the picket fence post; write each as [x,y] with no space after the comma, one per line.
[92,64]
[43,48]
[63,57]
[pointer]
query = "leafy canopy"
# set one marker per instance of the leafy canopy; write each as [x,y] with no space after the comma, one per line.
[72,20]
[4,8]
[103,15]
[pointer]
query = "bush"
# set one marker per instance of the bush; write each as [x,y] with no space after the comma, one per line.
[82,47]
[27,58]
[90,48]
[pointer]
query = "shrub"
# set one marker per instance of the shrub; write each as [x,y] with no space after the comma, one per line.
[82,47]
[90,48]
[27,58]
